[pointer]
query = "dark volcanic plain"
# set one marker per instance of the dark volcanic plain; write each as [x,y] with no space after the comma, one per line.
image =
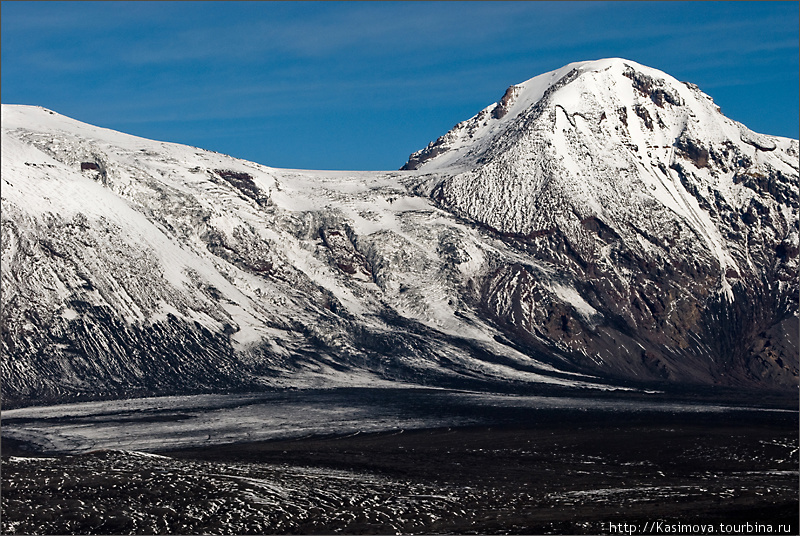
[521,470]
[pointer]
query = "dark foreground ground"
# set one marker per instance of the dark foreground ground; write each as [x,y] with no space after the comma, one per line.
[561,471]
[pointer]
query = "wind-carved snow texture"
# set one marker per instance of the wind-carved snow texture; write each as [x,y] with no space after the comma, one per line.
[600,223]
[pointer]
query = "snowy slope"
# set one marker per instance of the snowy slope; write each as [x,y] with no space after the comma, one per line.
[554,239]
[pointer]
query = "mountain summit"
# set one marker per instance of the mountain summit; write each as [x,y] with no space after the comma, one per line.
[602,225]
[637,184]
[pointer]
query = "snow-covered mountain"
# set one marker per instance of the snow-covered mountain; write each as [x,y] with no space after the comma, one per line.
[676,225]
[600,224]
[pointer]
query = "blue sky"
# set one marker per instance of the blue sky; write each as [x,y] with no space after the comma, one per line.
[360,85]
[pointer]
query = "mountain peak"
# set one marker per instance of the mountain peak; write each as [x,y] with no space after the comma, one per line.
[584,132]
[624,82]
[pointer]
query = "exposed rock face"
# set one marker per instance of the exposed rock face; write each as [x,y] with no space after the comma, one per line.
[344,254]
[603,223]
[501,109]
